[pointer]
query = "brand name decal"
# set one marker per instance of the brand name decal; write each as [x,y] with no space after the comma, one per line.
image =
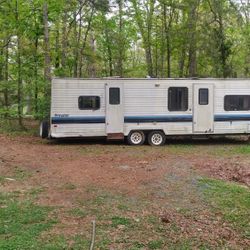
[61,115]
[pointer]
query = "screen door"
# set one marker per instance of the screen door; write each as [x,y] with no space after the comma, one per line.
[114,110]
[203,108]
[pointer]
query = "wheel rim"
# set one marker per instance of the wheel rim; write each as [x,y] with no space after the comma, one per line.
[157,139]
[136,138]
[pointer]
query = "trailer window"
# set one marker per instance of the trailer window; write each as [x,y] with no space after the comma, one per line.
[178,99]
[237,102]
[89,102]
[114,96]
[203,96]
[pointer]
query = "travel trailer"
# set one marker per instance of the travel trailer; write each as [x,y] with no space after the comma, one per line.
[147,109]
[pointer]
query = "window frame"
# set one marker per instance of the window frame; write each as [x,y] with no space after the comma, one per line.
[186,100]
[98,106]
[117,98]
[203,103]
[227,105]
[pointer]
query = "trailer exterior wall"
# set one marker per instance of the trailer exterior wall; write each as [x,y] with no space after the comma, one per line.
[67,119]
[145,107]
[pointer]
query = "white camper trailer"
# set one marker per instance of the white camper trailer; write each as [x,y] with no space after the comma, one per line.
[147,109]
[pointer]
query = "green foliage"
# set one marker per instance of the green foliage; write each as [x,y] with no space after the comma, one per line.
[115,38]
[11,127]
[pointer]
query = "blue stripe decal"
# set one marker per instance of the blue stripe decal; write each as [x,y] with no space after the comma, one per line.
[78,119]
[231,117]
[149,119]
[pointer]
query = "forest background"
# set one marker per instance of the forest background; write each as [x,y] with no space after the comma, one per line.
[42,39]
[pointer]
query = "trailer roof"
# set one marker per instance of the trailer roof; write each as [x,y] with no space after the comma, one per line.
[176,79]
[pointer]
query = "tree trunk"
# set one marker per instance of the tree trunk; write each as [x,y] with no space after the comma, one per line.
[121,40]
[3,74]
[47,59]
[167,28]
[163,44]
[19,82]
[64,41]
[149,61]
[182,62]
[1,63]
[19,70]
[84,42]
[77,35]
[146,32]
[75,46]
[168,56]
[36,74]
[6,77]
[156,54]
[78,71]
[108,42]
[192,31]
[223,50]
[110,60]
[57,46]
[92,70]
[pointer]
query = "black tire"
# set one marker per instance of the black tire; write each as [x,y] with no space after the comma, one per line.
[136,138]
[44,129]
[156,138]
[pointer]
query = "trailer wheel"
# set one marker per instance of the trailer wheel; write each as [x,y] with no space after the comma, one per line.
[156,138]
[136,138]
[44,129]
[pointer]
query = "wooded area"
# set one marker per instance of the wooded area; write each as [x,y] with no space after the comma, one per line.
[40,39]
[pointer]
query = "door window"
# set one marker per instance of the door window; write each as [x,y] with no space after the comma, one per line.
[203,96]
[114,96]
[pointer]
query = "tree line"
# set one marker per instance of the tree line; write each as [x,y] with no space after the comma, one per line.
[40,39]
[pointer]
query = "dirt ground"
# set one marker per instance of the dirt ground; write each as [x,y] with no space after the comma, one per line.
[70,172]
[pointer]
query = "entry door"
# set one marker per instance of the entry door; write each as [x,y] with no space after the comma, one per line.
[203,108]
[114,111]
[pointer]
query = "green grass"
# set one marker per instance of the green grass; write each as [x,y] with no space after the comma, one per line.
[34,192]
[21,174]
[2,179]
[155,244]
[21,223]
[11,127]
[231,200]
[120,220]
[116,221]
[181,148]
[230,150]
[244,149]
[77,212]
[137,245]
[25,226]
[17,174]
